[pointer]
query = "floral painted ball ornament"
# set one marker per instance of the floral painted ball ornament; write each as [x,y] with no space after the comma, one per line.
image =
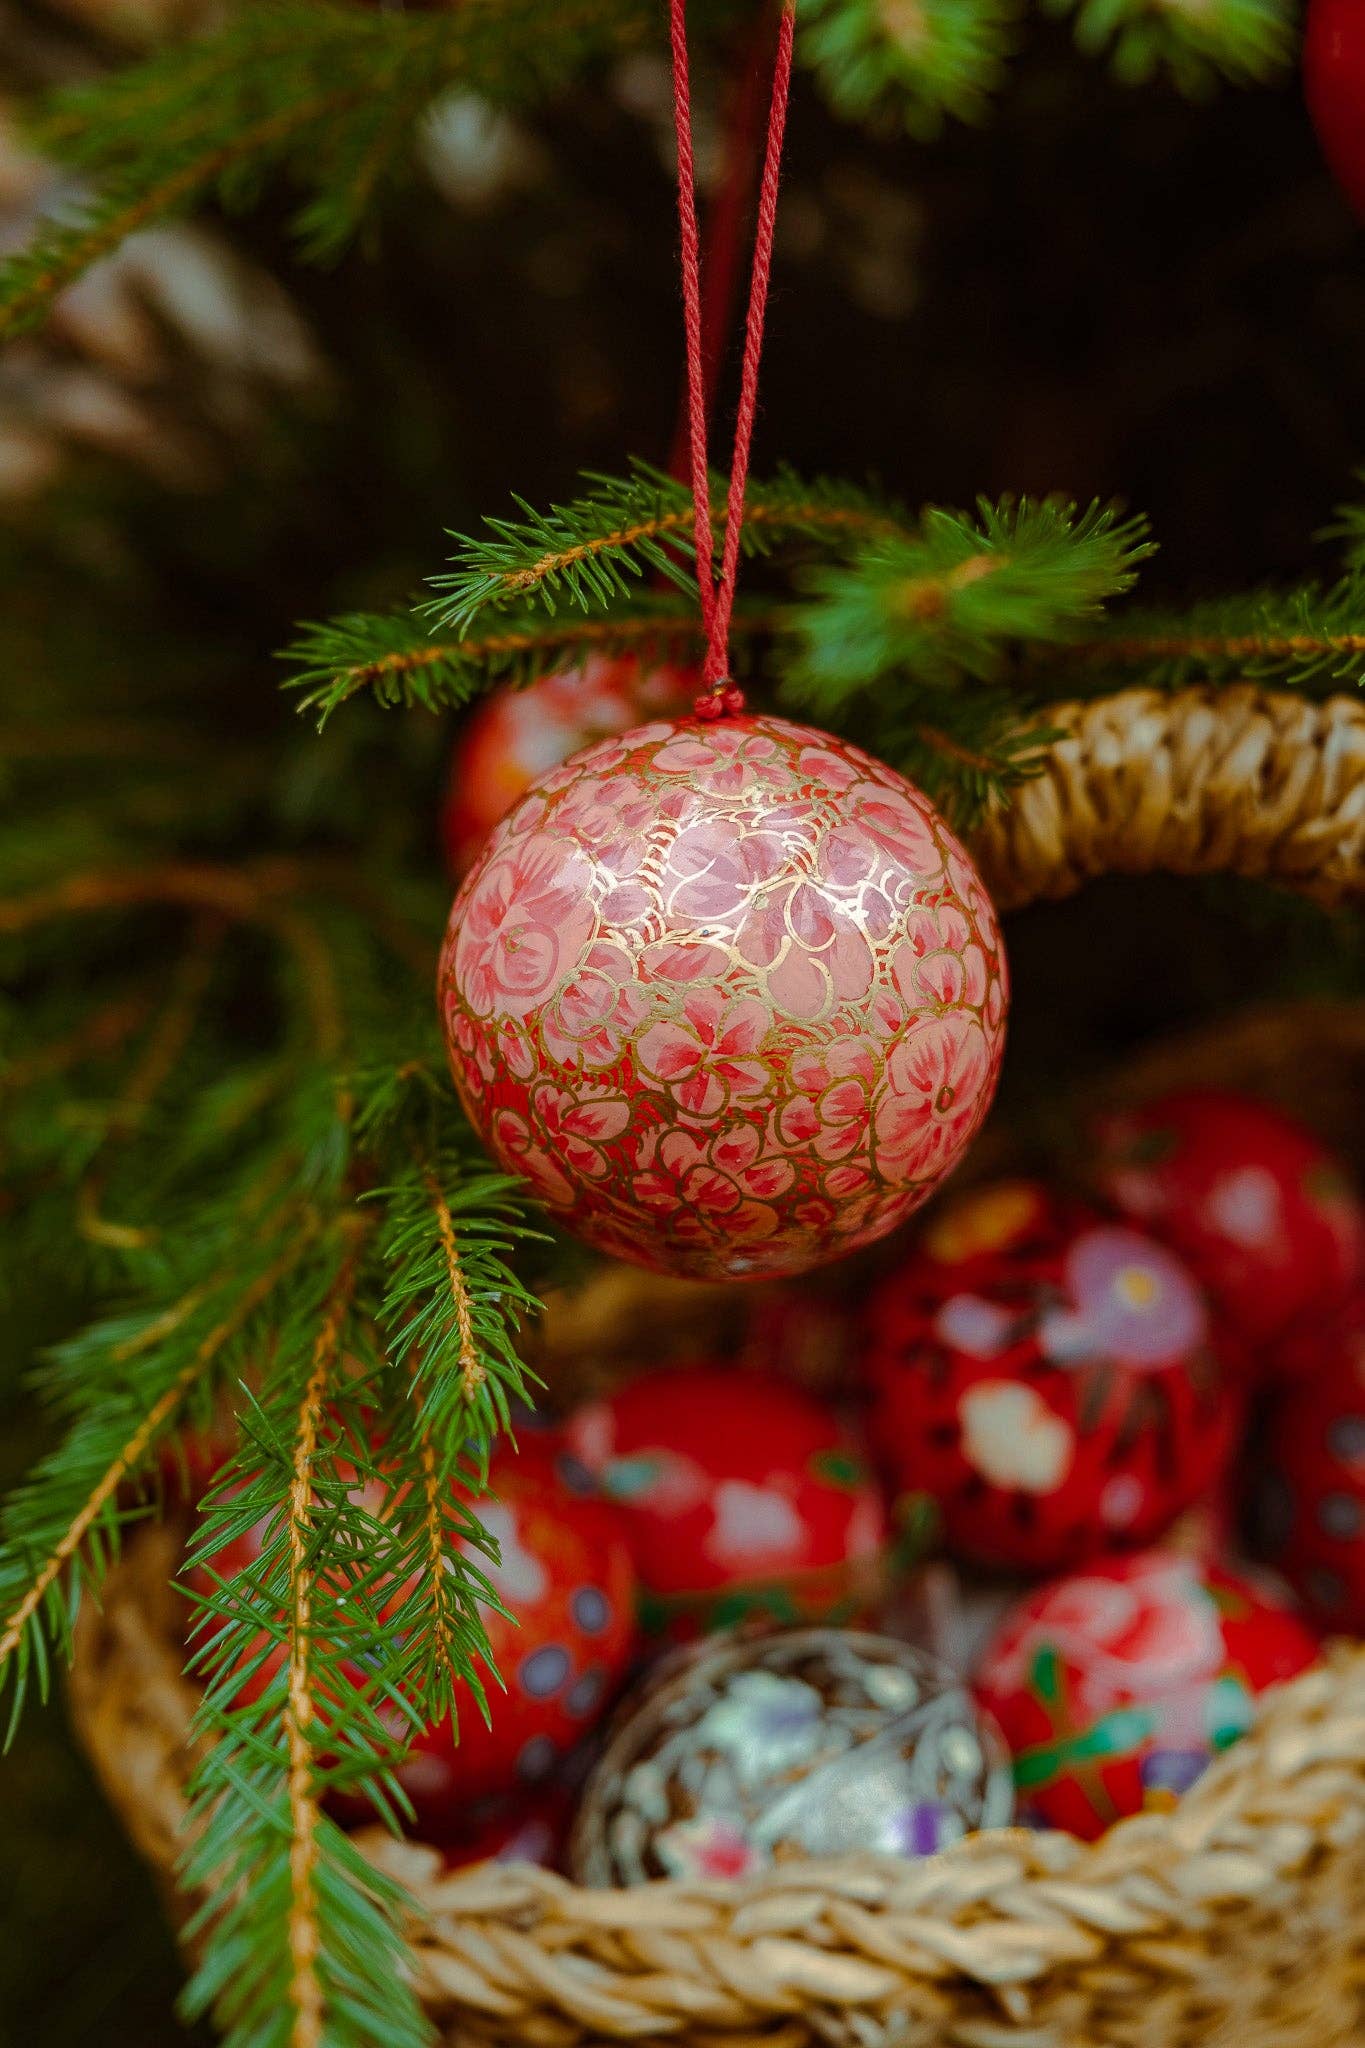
[1312,1508]
[741,1498]
[1259,1210]
[729,995]
[742,1755]
[1048,1377]
[564,1574]
[515,736]
[1116,1688]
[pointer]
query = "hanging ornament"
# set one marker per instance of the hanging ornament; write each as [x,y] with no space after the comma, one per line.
[725,991]
[1116,1688]
[1258,1209]
[817,1742]
[1048,1377]
[1312,1505]
[515,736]
[1334,87]
[564,1572]
[741,1497]
[729,995]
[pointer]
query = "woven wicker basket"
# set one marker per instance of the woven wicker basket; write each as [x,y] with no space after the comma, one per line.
[1238,1920]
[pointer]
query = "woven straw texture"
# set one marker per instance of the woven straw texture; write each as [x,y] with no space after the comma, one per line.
[1237,1921]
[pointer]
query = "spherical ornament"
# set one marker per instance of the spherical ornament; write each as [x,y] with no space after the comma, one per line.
[528,1828]
[1048,1378]
[1257,1208]
[1334,87]
[814,1742]
[1312,1509]
[513,737]
[729,996]
[740,1496]
[564,1574]
[1116,1688]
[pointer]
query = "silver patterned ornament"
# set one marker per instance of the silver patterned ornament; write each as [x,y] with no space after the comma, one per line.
[812,1742]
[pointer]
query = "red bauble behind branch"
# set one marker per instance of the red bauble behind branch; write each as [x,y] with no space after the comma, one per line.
[1334,87]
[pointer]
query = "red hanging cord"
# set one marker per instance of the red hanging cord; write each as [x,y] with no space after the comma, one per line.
[723,230]
[718,594]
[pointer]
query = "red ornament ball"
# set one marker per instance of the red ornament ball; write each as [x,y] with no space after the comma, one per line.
[564,1574]
[1258,1209]
[729,996]
[1117,1687]
[740,1495]
[514,737]
[1313,1502]
[1048,1378]
[1334,87]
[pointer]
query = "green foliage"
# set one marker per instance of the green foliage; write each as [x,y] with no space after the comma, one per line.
[1308,639]
[949,601]
[1195,41]
[328,94]
[583,553]
[911,61]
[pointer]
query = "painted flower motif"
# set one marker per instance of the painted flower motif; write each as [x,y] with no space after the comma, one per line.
[970,1323]
[705,1849]
[519,1146]
[518,1577]
[939,1081]
[1012,1437]
[580,1125]
[765,1723]
[1246,1207]
[708,1185]
[713,870]
[597,1011]
[708,1055]
[831,1112]
[1152,1633]
[523,922]
[726,760]
[753,1526]
[1132,1300]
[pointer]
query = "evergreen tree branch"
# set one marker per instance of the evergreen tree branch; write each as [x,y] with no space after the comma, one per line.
[949,602]
[912,61]
[1195,41]
[1313,638]
[585,552]
[331,95]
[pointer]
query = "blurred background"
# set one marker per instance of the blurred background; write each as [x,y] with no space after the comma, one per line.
[1101,291]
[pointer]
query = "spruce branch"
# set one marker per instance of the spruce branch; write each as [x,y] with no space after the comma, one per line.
[1196,41]
[948,603]
[585,553]
[329,95]
[1308,639]
[912,61]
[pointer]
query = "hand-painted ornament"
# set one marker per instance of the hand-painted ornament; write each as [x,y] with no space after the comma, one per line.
[814,1742]
[1048,1377]
[730,996]
[1116,1688]
[564,1574]
[1261,1213]
[1312,1507]
[515,736]
[1334,87]
[741,1496]
[528,1828]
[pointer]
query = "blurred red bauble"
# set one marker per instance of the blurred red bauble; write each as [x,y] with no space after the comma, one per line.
[527,1828]
[741,1496]
[730,996]
[1048,1378]
[514,737]
[565,1575]
[1117,1687]
[1312,1511]
[1259,1210]
[1334,87]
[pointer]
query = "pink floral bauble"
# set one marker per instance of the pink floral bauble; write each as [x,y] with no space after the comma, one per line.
[730,997]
